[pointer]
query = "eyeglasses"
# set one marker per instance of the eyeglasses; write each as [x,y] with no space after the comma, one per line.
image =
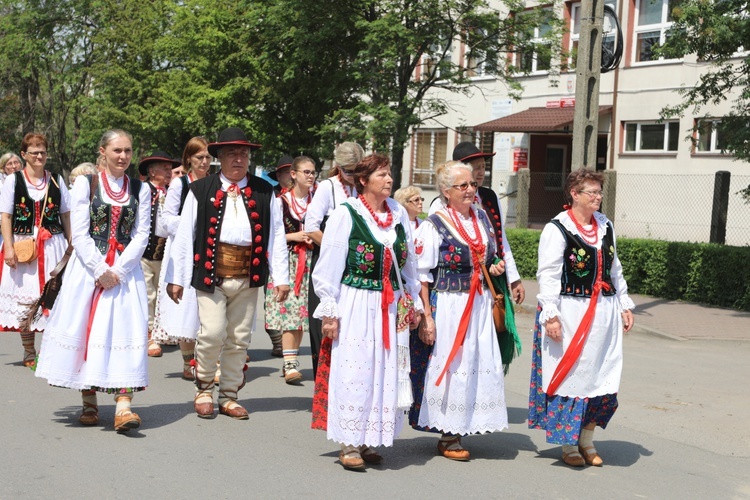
[593,194]
[40,154]
[309,173]
[347,172]
[417,201]
[465,186]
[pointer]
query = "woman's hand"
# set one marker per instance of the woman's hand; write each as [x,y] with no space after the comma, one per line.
[427,330]
[553,329]
[627,320]
[497,269]
[108,280]
[10,256]
[299,237]
[331,327]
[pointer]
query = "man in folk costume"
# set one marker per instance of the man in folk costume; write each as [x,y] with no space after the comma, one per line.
[467,152]
[157,168]
[232,233]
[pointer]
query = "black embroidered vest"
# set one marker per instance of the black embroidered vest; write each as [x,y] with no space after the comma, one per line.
[155,247]
[579,263]
[100,214]
[454,268]
[24,210]
[208,228]
[365,260]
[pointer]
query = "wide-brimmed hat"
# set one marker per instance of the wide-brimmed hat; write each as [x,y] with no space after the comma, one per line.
[156,156]
[467,151]
[284,162]
[232,136]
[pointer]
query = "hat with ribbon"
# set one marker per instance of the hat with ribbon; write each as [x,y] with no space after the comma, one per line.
[232,136]
[284,162]
[156,156]
[466,152]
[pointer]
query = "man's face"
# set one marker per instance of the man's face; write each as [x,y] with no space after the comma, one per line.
[477,168]
[234,162]
[160,173]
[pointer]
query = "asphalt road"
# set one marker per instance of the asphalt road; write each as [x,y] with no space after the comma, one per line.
[681,432]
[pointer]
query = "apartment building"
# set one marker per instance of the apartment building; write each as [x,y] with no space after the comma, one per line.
[536,131]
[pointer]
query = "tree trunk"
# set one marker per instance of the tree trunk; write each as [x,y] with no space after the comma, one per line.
[397,164]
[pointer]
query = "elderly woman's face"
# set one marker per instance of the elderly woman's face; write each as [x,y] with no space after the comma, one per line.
[379,183]
[588,197]
[461,194]
[13,165]
[413,205]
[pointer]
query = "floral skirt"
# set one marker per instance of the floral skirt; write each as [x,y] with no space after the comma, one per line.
[292,314]
[562,417]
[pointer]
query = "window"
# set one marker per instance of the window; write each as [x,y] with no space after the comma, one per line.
[650,136]
[609,31]
[708,137]
[430,149]
[537,57]
[438,55]
[479,62]
[653,20]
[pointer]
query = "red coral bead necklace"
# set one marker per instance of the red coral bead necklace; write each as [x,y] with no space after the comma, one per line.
[118,196]
[475,244]
[590,236]
[388,217]
[42,182]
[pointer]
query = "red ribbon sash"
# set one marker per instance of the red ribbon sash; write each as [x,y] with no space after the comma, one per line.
[301,250]
[463,325]
[387,297]
[573,352]
[114,247]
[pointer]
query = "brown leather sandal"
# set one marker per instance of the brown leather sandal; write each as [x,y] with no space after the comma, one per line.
[369,455]
[352,459]
[89,415]
[447,448]
[590,455]
[126,420]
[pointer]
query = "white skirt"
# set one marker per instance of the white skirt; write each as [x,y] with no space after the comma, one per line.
[115,356]
[174,322]
[471,396]
[19,287]
[363,381]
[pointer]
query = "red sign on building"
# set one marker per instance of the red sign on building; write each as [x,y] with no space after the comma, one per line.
[520,158]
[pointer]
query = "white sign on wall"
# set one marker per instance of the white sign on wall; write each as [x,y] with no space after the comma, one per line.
[501,108]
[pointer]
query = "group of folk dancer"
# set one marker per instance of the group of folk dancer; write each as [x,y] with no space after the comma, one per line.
[116,266]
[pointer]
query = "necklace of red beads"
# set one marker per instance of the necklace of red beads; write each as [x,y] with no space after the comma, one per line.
[42,183]
[118,196]
[475,244]
[388,217]
[297,208]
[590,236]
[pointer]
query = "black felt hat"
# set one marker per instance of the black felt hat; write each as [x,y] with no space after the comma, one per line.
[284,162]
[467,152]
[232,136]
[156,156]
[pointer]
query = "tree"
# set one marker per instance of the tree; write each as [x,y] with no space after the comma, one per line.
[46,52]
[405,66]
[719,33]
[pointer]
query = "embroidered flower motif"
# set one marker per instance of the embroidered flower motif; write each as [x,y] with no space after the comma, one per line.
[365,258]
[579,263]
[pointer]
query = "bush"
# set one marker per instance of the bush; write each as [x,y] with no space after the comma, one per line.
[696,272]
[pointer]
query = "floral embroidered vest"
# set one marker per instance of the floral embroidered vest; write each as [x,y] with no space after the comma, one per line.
[579,263]
[364,262]
[155,248]
[24,210]
[454,268]
[100,214]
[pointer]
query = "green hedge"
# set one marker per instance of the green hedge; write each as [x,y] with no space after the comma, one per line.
[696,272]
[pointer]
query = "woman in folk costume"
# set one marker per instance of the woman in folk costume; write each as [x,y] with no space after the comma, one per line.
[179,322]
[366,263]
[457,369]
[96,338]
[330,193]
[291,316]
[35,207]
[583,309]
